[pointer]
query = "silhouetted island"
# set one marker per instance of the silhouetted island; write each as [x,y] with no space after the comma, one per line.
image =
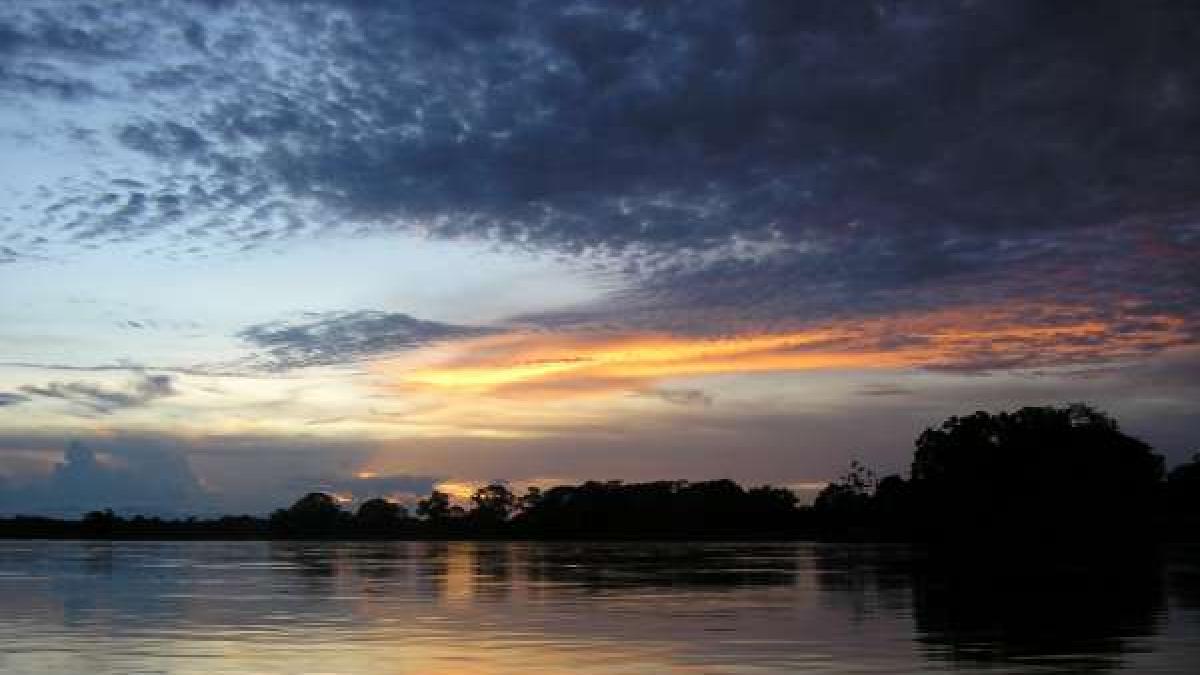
[1046,474]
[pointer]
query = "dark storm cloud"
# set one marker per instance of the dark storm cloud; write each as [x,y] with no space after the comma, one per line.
[329,338]
[881,155]
[99,400]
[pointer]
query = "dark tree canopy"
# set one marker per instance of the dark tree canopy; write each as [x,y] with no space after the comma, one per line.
[315,514]
[849,498]
[437,507]
[673,509]
[380,515]
[494,502]
[1183,498]
[1045,472]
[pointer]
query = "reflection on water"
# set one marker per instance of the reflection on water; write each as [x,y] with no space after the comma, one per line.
[295,607]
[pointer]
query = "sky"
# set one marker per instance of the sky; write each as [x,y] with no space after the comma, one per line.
[254,249]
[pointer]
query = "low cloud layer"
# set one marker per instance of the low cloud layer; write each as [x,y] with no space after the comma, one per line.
[127,481]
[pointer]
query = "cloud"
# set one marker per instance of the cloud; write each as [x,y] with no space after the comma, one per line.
[954,187]
[99,400]
[129,367]
[686,397]
[946,134]
[550,365]
[796,429]
[8,399]
[755,166]
[330,338]
[129,481]
[593,125]
[885,390]
[1131,268]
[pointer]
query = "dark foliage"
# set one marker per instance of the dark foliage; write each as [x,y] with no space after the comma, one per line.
[1044,472]
[315,514]
[1183,499]
[381,518]
[437,508]
[665,509]
[1048,474]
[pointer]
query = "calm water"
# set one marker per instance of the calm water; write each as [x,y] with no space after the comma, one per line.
[259,607]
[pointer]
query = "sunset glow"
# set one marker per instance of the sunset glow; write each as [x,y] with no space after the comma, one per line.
[551,365]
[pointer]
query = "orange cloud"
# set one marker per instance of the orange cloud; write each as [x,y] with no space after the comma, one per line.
[545,366]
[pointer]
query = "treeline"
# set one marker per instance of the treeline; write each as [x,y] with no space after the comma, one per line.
[719,509]
[1047,474]
[594,510]
[1050,474]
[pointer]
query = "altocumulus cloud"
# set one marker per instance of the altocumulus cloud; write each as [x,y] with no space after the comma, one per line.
[744,163]
[592,124]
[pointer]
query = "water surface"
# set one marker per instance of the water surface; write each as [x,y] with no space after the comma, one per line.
[301,607]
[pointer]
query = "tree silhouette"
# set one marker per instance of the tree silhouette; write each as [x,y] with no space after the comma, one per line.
[315,514]
[493,503]
[1183,487]
[662,509]
[1046,472]
[1183,498]
[100,522]
[530,499]
[434,507]
[861,506]
[380,516]
[849,499]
